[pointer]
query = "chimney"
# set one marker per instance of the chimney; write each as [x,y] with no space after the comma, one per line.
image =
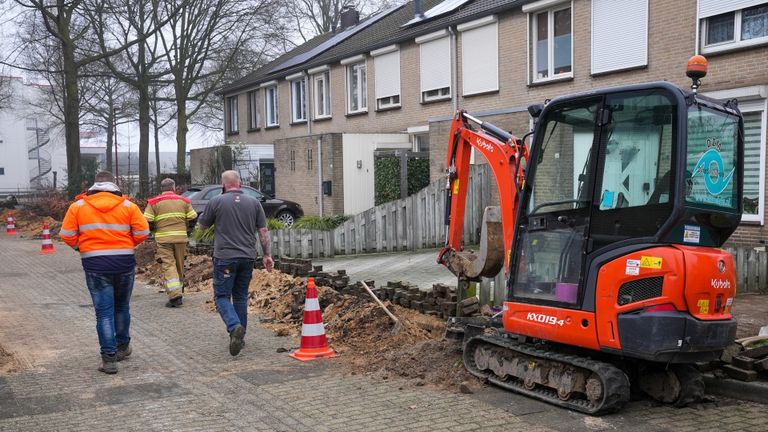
[417,14]
[349,17]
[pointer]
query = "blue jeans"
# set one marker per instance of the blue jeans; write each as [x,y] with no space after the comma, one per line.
[111,295]
[231,278]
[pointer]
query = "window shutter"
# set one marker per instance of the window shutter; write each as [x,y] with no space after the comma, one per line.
[435,64]
[708,8]
[480,59]
[619,34]
[387,74]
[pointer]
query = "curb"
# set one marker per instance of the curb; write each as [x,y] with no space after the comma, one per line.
[749,391]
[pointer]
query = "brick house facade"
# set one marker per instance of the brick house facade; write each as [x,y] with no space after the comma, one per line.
[674,31]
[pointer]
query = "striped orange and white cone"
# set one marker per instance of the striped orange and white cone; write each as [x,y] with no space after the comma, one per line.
[313,342]
[47,247]
[10,225]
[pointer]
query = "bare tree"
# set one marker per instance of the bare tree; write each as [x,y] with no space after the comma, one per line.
[202,43]
[315,17]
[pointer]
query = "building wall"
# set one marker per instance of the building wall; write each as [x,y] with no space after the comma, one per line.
[302,184]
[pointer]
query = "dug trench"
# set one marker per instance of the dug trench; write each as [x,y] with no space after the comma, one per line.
[356,327]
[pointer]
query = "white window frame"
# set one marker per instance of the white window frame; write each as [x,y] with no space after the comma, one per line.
[270,109]
[433,94]
[488,23]
[232,115]
[533,9]
[362,90]
[391,100]
[734,44]
[254,114]
[752,99]
[322,107]
[298,84]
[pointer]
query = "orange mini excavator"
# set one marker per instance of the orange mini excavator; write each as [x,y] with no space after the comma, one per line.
[612,213]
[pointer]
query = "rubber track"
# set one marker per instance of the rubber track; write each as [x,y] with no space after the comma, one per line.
[615,382]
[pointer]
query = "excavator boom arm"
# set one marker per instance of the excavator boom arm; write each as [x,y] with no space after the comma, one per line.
[505,155]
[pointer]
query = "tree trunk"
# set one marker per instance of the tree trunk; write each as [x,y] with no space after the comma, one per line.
[181,135]
[157,145]
[71,119]
[143,139]
[110,137]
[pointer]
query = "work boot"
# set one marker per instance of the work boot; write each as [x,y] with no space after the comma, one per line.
[174,302]
[123,351]
[108,363]
[236,341]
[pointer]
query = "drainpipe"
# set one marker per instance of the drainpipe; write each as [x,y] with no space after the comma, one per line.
[320,172]
[308,97]
[454,68]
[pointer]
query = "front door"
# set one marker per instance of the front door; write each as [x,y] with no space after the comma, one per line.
[267,181]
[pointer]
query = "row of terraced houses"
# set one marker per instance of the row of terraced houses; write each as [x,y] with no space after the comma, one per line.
[393,81]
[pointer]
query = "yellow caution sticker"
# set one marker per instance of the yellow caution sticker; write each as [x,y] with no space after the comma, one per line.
[703,306]
[650,262]
[456,187]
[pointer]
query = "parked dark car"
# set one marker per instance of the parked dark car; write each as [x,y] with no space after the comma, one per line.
[282,210]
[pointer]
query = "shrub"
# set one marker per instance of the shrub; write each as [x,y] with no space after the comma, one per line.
[326,223]
[203,235]
[274,224]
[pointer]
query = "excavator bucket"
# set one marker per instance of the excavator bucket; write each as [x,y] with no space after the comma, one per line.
[488,261]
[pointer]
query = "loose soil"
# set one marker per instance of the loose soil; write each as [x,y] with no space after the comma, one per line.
[30,225]
[8,362]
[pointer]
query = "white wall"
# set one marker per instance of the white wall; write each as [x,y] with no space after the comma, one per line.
[359,182]
[13,152]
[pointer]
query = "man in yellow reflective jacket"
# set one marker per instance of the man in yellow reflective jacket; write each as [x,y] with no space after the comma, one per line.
[170,213]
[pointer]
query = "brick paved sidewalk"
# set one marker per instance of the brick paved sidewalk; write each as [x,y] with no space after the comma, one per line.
[181,376]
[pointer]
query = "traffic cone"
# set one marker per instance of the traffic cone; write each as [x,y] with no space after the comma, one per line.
[47,247]
[313,343]
[10,225]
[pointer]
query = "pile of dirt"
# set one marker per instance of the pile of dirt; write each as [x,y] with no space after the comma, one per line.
[198,272]
[359,330]
[8,362]
[29,224]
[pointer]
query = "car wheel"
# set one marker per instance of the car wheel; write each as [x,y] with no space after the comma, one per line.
[286,218]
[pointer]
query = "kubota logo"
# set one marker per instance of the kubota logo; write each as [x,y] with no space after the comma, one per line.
[544,319]
[485,144]
[721,284]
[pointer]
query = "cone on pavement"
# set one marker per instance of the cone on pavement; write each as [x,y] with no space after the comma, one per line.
[47,247]
[10,225]
[313,342]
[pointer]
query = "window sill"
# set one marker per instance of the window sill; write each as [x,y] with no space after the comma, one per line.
[277,126]
[389,108]
[298,122]
[436,100]
[232,133]
[751,222]
[612,71]
[256,129]
[480,93]
[734,46]
[322,119]
[556,79]
[357,113]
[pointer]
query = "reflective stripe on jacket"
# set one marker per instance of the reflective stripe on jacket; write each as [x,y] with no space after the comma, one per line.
[170,213]
[105,228]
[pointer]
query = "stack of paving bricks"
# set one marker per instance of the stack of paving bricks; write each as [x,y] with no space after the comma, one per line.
[440,301]
[747,361]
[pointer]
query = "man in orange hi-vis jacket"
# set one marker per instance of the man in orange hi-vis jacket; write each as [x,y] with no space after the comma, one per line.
[105,227]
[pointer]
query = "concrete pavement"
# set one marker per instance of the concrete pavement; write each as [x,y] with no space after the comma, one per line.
[181,377]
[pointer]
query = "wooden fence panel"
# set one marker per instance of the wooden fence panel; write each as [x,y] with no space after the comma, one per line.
[751,269]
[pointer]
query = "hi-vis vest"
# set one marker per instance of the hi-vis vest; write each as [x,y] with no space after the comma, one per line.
[170,213]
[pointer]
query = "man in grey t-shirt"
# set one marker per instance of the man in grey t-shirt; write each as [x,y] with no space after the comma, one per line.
[238,219]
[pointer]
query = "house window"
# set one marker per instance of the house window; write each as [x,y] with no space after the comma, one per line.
[629,18]
[309,159]
[357,88]
[386,63]
[232,118]
[293,160]
[299,100]
[435,66]
[254,118]
[2,171]
[322,95]
[479,56]
[725,26]
[271,107]
[552,49]
[754,148]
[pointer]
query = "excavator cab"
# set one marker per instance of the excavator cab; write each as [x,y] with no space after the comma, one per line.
[620,169]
